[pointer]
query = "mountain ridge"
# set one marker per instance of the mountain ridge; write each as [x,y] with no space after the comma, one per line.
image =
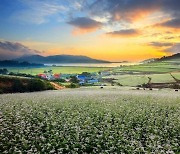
[174,57]
[52,59]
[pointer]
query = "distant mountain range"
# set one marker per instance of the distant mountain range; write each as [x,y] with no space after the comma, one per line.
[56,59]
[60,59]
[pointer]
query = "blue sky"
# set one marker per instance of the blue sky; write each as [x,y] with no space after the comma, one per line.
[23,19]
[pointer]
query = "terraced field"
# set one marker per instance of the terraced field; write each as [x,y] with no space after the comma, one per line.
[155,67]
[134,80]
[90,120]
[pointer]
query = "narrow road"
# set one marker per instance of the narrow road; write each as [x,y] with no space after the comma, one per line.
[56,86]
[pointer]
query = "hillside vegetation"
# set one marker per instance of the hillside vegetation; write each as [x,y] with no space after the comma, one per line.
[12,63]
[161,65]
[151,68]
[139,79]
[16,84]
[173,58]
[90,121]
[159,70]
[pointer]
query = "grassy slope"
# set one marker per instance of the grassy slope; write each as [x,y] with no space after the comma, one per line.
[90,120]
[12,84]
[158,71]
[134,80]
[66,70]
[156,67]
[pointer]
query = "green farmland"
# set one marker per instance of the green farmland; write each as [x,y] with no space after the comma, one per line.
[138,74]
[156,67]
[90,120]
[134,80]
[126,75]
[63,69]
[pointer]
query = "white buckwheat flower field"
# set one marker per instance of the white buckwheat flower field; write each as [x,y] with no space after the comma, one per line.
[88,120]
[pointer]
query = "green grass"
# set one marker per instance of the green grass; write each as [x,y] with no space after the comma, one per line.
[156,67]
[138,74]
[63,69]
[90,121]
[134,80]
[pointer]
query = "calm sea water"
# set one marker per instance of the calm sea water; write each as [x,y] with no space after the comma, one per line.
[94,65]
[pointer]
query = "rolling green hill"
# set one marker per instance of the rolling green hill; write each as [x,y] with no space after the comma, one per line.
[10,84]
[157,69]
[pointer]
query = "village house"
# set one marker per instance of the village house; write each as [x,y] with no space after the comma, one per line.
[86,79]
[48,75]
[43,76]
[57,76]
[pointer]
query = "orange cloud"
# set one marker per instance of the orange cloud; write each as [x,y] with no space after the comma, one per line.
[80,31]
[132,16]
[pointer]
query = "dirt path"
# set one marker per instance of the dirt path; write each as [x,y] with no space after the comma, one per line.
[56,86]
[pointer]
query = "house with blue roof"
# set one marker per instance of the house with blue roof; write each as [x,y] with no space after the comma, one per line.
[86,79]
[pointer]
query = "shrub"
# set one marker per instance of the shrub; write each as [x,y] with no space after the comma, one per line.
[74,79]
[3,71]
[72,85]
[60,80]
[176,86]
[119,84]
[36,85]
[18,86]
[48,86]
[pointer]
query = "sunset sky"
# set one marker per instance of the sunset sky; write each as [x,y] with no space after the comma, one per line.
[112,30]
